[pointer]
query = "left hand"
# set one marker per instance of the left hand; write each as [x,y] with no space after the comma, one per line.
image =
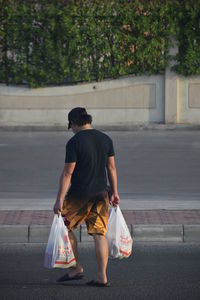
[57,209]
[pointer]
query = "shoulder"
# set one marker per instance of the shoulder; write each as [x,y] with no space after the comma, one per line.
[102,135]
[71,142]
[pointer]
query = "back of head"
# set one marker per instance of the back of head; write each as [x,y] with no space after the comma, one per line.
[79,116]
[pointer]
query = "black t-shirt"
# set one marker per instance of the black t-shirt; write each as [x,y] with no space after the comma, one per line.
[89,149]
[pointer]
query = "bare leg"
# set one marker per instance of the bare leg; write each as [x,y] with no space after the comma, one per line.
[78,269]
[101,250]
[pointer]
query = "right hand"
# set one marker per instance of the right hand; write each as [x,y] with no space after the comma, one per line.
[114,200]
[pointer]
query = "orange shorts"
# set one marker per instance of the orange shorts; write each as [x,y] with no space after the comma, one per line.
[94,211]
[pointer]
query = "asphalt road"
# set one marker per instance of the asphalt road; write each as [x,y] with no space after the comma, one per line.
[153,272]
[152,165]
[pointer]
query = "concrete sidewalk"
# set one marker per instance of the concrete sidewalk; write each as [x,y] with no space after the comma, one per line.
[33,226]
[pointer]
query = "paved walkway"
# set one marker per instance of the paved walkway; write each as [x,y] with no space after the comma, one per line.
[33,226]
[161,217]
[158,175]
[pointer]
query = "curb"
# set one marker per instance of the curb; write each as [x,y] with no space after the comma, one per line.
[139,233]
[14,233]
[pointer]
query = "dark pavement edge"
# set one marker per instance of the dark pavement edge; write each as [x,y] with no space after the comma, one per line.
[114,127]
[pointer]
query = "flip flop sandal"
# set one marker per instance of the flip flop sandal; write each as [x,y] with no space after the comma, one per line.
[66,277]
[98,284]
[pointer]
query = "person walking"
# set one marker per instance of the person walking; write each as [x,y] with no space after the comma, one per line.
[82,194]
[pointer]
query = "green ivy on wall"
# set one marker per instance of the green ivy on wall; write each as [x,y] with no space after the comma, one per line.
[188,36]
[60,42]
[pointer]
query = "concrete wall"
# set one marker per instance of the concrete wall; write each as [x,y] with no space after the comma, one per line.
[132,100]
[182,95]
[189,100]
[114,102]
[182,99]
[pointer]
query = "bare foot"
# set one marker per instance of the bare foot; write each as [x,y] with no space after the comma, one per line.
[74,271]
[101,278]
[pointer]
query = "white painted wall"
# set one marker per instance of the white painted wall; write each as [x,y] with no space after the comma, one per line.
[129,100]
[189,100]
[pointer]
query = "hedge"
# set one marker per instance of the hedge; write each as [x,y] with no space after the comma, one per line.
[60,42]
[188,36]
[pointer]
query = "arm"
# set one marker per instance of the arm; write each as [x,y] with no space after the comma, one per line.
[112,177]
[65,180]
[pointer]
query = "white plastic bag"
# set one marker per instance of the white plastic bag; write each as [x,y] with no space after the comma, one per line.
[118,235]
[59,252]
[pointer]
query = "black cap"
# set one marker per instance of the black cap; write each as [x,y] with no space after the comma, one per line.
[75,114]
